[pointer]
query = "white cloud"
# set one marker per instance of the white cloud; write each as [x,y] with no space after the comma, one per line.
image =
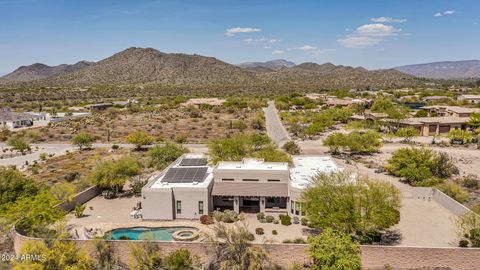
[261,40]
[305,48]
[445,13]
[278,52]
[387,20]
[377,30]
[368,35]
[358,41]
[235,30]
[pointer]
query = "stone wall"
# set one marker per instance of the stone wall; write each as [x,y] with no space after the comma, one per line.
[373,257]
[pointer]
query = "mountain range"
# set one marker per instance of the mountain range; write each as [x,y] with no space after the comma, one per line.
[271,65]
[444,70]
[147,66]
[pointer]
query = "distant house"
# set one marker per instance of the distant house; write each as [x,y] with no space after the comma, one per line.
[197,102]
[430,126]
[99,106]
[337,102]
[315,96]
[435,98]
[11,120]
[450,111]
[474,99]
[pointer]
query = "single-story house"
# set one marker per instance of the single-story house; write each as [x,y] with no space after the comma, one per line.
[435,98]
[452,111]
[11,120]
[430,126]
[474,99]
[197,102]
[190,187]
[99,106]
[337,102]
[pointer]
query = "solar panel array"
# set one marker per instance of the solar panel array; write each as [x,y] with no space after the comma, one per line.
[185,175]
[193,162]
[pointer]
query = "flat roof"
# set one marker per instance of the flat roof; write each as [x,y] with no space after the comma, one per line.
[306,167]
[434,120]
[252,164]
[177,175]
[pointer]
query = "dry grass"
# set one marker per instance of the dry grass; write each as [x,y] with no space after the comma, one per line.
[180,124]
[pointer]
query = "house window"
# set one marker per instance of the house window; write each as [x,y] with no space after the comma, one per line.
[227,179]
[273,180]
[297,208]
[302,210]
[292,207]
[250,180]
[179,207]
[200,207]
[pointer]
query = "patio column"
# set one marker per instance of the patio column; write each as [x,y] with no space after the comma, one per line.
[236,204]
[263,201]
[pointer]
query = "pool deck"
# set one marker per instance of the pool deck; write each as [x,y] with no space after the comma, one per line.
[107,215]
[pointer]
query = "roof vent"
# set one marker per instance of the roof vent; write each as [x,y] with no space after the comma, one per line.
[195,183]
[239,166]
[270,167]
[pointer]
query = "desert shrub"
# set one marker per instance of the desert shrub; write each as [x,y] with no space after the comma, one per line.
[474,237]
[304,221]
[455,191]
[79,209]
[162,156]
[137,184]
[227,216]
[115,147]
[285,219]
[276,221]
[179,259]
[250,237]
[470,181]
[460,135]
[139,139]
[299,240]
[274,232]
[269,219]
[407,133]
[419,164]
[83,141]
[259,231]
[355,142]
[71,176]
[43,156]
[263,220]
[292,148]
[112,174]
[260,215]
[463,243]
[206,219]
[238,124]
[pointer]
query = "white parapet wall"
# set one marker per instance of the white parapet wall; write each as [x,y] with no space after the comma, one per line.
[428,193]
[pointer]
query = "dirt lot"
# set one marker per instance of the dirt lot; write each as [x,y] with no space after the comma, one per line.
[181,124]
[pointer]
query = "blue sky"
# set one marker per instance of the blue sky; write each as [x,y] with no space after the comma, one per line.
[373,34]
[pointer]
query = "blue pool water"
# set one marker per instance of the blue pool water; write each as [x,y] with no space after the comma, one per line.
[144,233]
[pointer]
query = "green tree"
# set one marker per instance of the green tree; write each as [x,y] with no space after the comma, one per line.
[407,133]
[382,105]
[271,154]
[83,141]
[337,201]
[52,256]
[355,142]
[333,250]
[112,174]
[139,139]
[105,257]
[292,148]
[474,120]
[463,136]
[232,249]
[19,144]
[420,164]
[33,214]
[14,184]
[63,192]
[161,156]
[179,259]
[145,256]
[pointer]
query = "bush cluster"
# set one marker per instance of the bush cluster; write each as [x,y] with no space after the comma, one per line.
[227,216]
[285,219]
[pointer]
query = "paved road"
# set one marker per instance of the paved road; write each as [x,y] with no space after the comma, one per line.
[275,129]
[59,149]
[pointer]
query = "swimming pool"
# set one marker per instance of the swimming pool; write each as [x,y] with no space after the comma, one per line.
[145,233]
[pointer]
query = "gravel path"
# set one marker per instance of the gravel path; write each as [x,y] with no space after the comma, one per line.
[275,129]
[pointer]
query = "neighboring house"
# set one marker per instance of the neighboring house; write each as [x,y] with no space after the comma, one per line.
[99,106]
[250,185]
[474,99]
[435,98]
[450,111]
[11,120]
[337,102]
[197,102]
[430,126]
